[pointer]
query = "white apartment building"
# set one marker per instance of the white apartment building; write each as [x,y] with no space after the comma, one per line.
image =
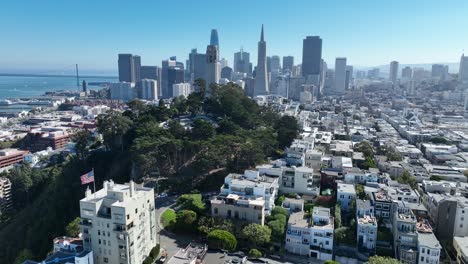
[313,236]
[345,195]
[118,223]
[300,180]
[252,185]
[149,89]
[124,91]
[181,89]
[6,200]
[366,226]
[295,154]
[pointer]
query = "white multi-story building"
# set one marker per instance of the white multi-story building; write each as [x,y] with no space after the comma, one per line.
[149,89]
[181,89]
[252,185]
[295,154]
[366,226]
[300,180]
[312,236]
[313,159]
[5,195]
[345,195]
[118,223]
[124,91]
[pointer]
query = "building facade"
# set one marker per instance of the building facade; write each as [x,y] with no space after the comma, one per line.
[118,223]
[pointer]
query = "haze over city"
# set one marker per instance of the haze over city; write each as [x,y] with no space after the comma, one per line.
[52,36]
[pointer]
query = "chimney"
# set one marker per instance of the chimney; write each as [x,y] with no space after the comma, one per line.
[88,192]
[132,188]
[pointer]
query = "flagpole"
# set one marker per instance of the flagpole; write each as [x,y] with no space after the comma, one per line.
[94,184]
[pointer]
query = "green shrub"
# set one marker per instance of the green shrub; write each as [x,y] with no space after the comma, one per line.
[168,218]
[220,239]
[255,253]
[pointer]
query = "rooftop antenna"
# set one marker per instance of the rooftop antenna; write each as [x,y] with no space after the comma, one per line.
[77,76]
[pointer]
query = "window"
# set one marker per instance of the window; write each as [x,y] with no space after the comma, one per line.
[216,211]
[128,216]
[107,225]
[104,242]
[99,241]
[422,258]
[461,225]
[136,210]
[423,250]
[106,260]
[108,243]
[315,240]
[428,251]
[99,232]
[327,242]
[108,233]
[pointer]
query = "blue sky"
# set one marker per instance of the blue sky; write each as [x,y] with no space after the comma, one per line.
[54,35]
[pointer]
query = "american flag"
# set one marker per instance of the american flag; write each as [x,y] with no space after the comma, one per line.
[87,178]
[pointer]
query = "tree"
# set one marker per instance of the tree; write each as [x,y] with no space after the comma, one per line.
[256,235]
[176,129]
[24,255]
[206,224]
[202,130]
[331,262]
[337,216]
[221,239]
[360,193]
[406,178]
[277,230]
[192,202]
[185,221]
[254,253]
[279,201]
[287,130]
[82,139]
[73,228]
[113,126]
[279,210]
[382,260]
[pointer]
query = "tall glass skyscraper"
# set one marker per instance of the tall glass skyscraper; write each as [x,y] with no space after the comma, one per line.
[214,38]
[311,55]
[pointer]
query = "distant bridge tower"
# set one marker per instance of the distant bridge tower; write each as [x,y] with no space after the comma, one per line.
[77,76]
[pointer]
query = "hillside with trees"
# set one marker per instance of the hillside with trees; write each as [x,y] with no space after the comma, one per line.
[229,133]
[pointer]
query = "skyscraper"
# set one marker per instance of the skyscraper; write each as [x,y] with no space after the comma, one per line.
[242,62]
[150,72]
[393,76]
[137,68]
[214,38]
[126,70]
[261,77]
[349,76]
[226,72]
[165,90]
[275,64]
[288,63]
[463,72]
[213,70]
[311,55]
[149,89]
[439,71]
[406,73]
[340,76]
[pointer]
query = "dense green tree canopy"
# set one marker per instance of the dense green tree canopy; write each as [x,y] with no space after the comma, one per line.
[221,239]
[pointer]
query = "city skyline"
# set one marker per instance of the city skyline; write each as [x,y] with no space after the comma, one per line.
[91,34]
